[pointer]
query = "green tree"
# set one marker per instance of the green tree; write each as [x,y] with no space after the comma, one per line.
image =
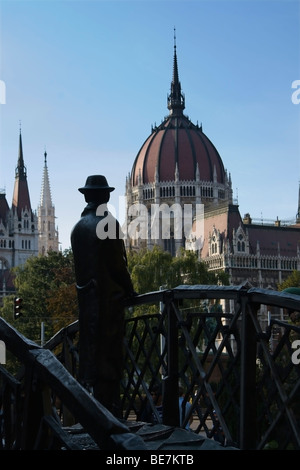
[47,286]
[293,280]
[151,269]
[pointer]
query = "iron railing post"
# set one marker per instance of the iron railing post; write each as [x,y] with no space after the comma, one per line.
[248,406]
[170,382]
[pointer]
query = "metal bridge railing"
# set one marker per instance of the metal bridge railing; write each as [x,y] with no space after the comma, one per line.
[237,377]
[32,404]
[241,379]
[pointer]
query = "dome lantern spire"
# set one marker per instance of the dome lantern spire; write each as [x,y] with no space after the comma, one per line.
[176,101]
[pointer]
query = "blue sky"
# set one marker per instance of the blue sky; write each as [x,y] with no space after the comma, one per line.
[87,79]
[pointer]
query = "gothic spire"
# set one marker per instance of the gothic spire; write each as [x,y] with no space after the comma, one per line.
[176,102]
[48,234]
[45,200]
[21,199]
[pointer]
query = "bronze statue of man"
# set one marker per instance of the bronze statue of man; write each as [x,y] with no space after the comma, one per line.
[103,282]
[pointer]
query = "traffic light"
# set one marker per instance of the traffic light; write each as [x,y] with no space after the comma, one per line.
[17,307]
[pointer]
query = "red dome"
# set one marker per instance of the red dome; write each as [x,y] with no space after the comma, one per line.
[177,141]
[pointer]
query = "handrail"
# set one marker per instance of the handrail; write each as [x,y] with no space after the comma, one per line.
[44,371]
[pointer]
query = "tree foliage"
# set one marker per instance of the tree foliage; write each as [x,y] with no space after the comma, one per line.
[152,269]
[47,286]
[293,280]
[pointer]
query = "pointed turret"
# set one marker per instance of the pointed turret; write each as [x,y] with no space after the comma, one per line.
[22,221]
[46,200]
[176,102]
[21,199]
[48,233]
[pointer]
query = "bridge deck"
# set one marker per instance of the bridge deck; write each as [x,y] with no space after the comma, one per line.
[156,437]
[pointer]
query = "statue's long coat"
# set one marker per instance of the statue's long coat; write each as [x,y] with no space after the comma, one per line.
[103,281]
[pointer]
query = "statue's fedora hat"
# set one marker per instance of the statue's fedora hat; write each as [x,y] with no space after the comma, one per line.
[95,182]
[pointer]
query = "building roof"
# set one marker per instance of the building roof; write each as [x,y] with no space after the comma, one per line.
[270,240]
[274,240]
[21,199]
[224,219]
[177,145]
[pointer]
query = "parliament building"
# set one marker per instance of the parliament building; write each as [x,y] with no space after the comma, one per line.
[178,164]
